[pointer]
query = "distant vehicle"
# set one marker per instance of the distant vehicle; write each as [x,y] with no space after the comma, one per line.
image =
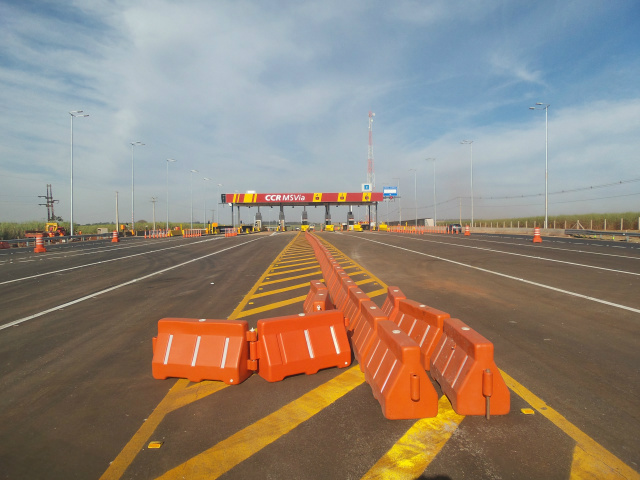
[52,229]
[454,228]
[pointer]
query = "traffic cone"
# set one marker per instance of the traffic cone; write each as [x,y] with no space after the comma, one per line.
[114,237]
[39,244]
[466,231]
[536,235]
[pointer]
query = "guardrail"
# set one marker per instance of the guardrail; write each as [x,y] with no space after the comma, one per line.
[31,242]
[600,233]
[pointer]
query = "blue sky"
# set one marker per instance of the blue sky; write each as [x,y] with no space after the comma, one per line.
[274,97]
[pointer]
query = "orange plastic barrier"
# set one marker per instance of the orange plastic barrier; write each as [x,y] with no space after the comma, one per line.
[317,299]
[353,306]
[201,350]
[394,295]
[301,344]
[463,365]
[114,237]
[364,327]
[467,232]
[422,323]
[396,376]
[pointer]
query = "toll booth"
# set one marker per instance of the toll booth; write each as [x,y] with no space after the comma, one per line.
[257,221]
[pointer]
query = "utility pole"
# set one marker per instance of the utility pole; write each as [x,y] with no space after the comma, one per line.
[117,214]
[154,200]
[371,176]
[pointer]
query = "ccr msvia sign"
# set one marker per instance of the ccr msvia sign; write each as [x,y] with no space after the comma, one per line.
[285,197]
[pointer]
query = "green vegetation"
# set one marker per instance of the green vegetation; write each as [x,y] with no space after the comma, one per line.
[13,230]
[589,221]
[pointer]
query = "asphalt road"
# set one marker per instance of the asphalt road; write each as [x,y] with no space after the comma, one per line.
[77,399]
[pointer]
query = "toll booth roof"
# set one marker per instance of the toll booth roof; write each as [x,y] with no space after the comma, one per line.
[302,199]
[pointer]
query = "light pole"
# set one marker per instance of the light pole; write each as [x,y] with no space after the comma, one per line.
[434,189]
[206,179]
[133,225]
[169,160]
[415,191]
[219,205]
[541,106]
[470,143]
[399,204]
[74,113]
[192,172]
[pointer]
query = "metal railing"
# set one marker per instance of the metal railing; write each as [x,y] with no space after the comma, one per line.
[600,233]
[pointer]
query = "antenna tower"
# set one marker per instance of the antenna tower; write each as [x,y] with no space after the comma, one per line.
[371,176]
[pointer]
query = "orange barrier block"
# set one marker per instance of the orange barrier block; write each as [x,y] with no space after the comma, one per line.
[421,323]
[394,295]
[340,293]
[317,299]
[302,344]
[201,350]
[536,235]
[463,365]
[396,376]
[352,308]
[364,329]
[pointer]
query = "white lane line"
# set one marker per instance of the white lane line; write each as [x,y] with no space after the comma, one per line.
[103,261]
[116,287]
[529,256]
[529,282]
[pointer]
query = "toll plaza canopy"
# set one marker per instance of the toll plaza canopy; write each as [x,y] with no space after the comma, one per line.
[301,199]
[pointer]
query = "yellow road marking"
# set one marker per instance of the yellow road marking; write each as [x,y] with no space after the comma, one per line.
[294,264]
[271,306]
[411,455]
[281,290]
[280,280]
[179,396]
[273,274]
[590,458]
[377,293]
[238,447]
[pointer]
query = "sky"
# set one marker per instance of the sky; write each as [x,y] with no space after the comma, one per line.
[274,97]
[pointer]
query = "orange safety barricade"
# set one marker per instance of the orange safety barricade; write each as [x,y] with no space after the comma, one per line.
[536,235]
[301,344]
[422,323]
[317,299]
[394,295]
[354,302]
[467,232]
[363,329]
[39,248]
[463,365]
[114,237]
[340,293]
[396,376]
[201,350]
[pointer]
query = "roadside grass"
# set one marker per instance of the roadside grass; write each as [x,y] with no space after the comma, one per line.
[589,221]
[14,230]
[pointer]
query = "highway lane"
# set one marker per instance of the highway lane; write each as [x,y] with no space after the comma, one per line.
[75,385]
[579,355]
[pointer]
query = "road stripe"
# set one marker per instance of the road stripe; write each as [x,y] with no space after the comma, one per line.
[510,277]
[272,306]
[412,454]
[293,264]
[228,453]
[273,274]
[590,458]
[116,287]
[280,290]
[280,280]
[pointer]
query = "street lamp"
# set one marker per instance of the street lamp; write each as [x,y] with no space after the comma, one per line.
[545,107]
[74,113]
[415,191]
[133,225]
[434,188]
[218,205]
[192,172]
[470,143]
[399,203]
[206,179]
[169,160]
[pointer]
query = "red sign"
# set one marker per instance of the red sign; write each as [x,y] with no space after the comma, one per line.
[303,198]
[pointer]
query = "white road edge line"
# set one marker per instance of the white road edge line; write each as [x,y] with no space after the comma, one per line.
[529,282]
[115,287]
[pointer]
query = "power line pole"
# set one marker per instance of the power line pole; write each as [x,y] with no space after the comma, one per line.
[154,200]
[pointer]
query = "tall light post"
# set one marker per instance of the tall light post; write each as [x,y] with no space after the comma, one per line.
[169,160]
[545,107]
[133,225]
[399,204]
[219,203]
[434,188]
[415,191]
[470,143]
[206,179]
[192,172]
[74,113]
